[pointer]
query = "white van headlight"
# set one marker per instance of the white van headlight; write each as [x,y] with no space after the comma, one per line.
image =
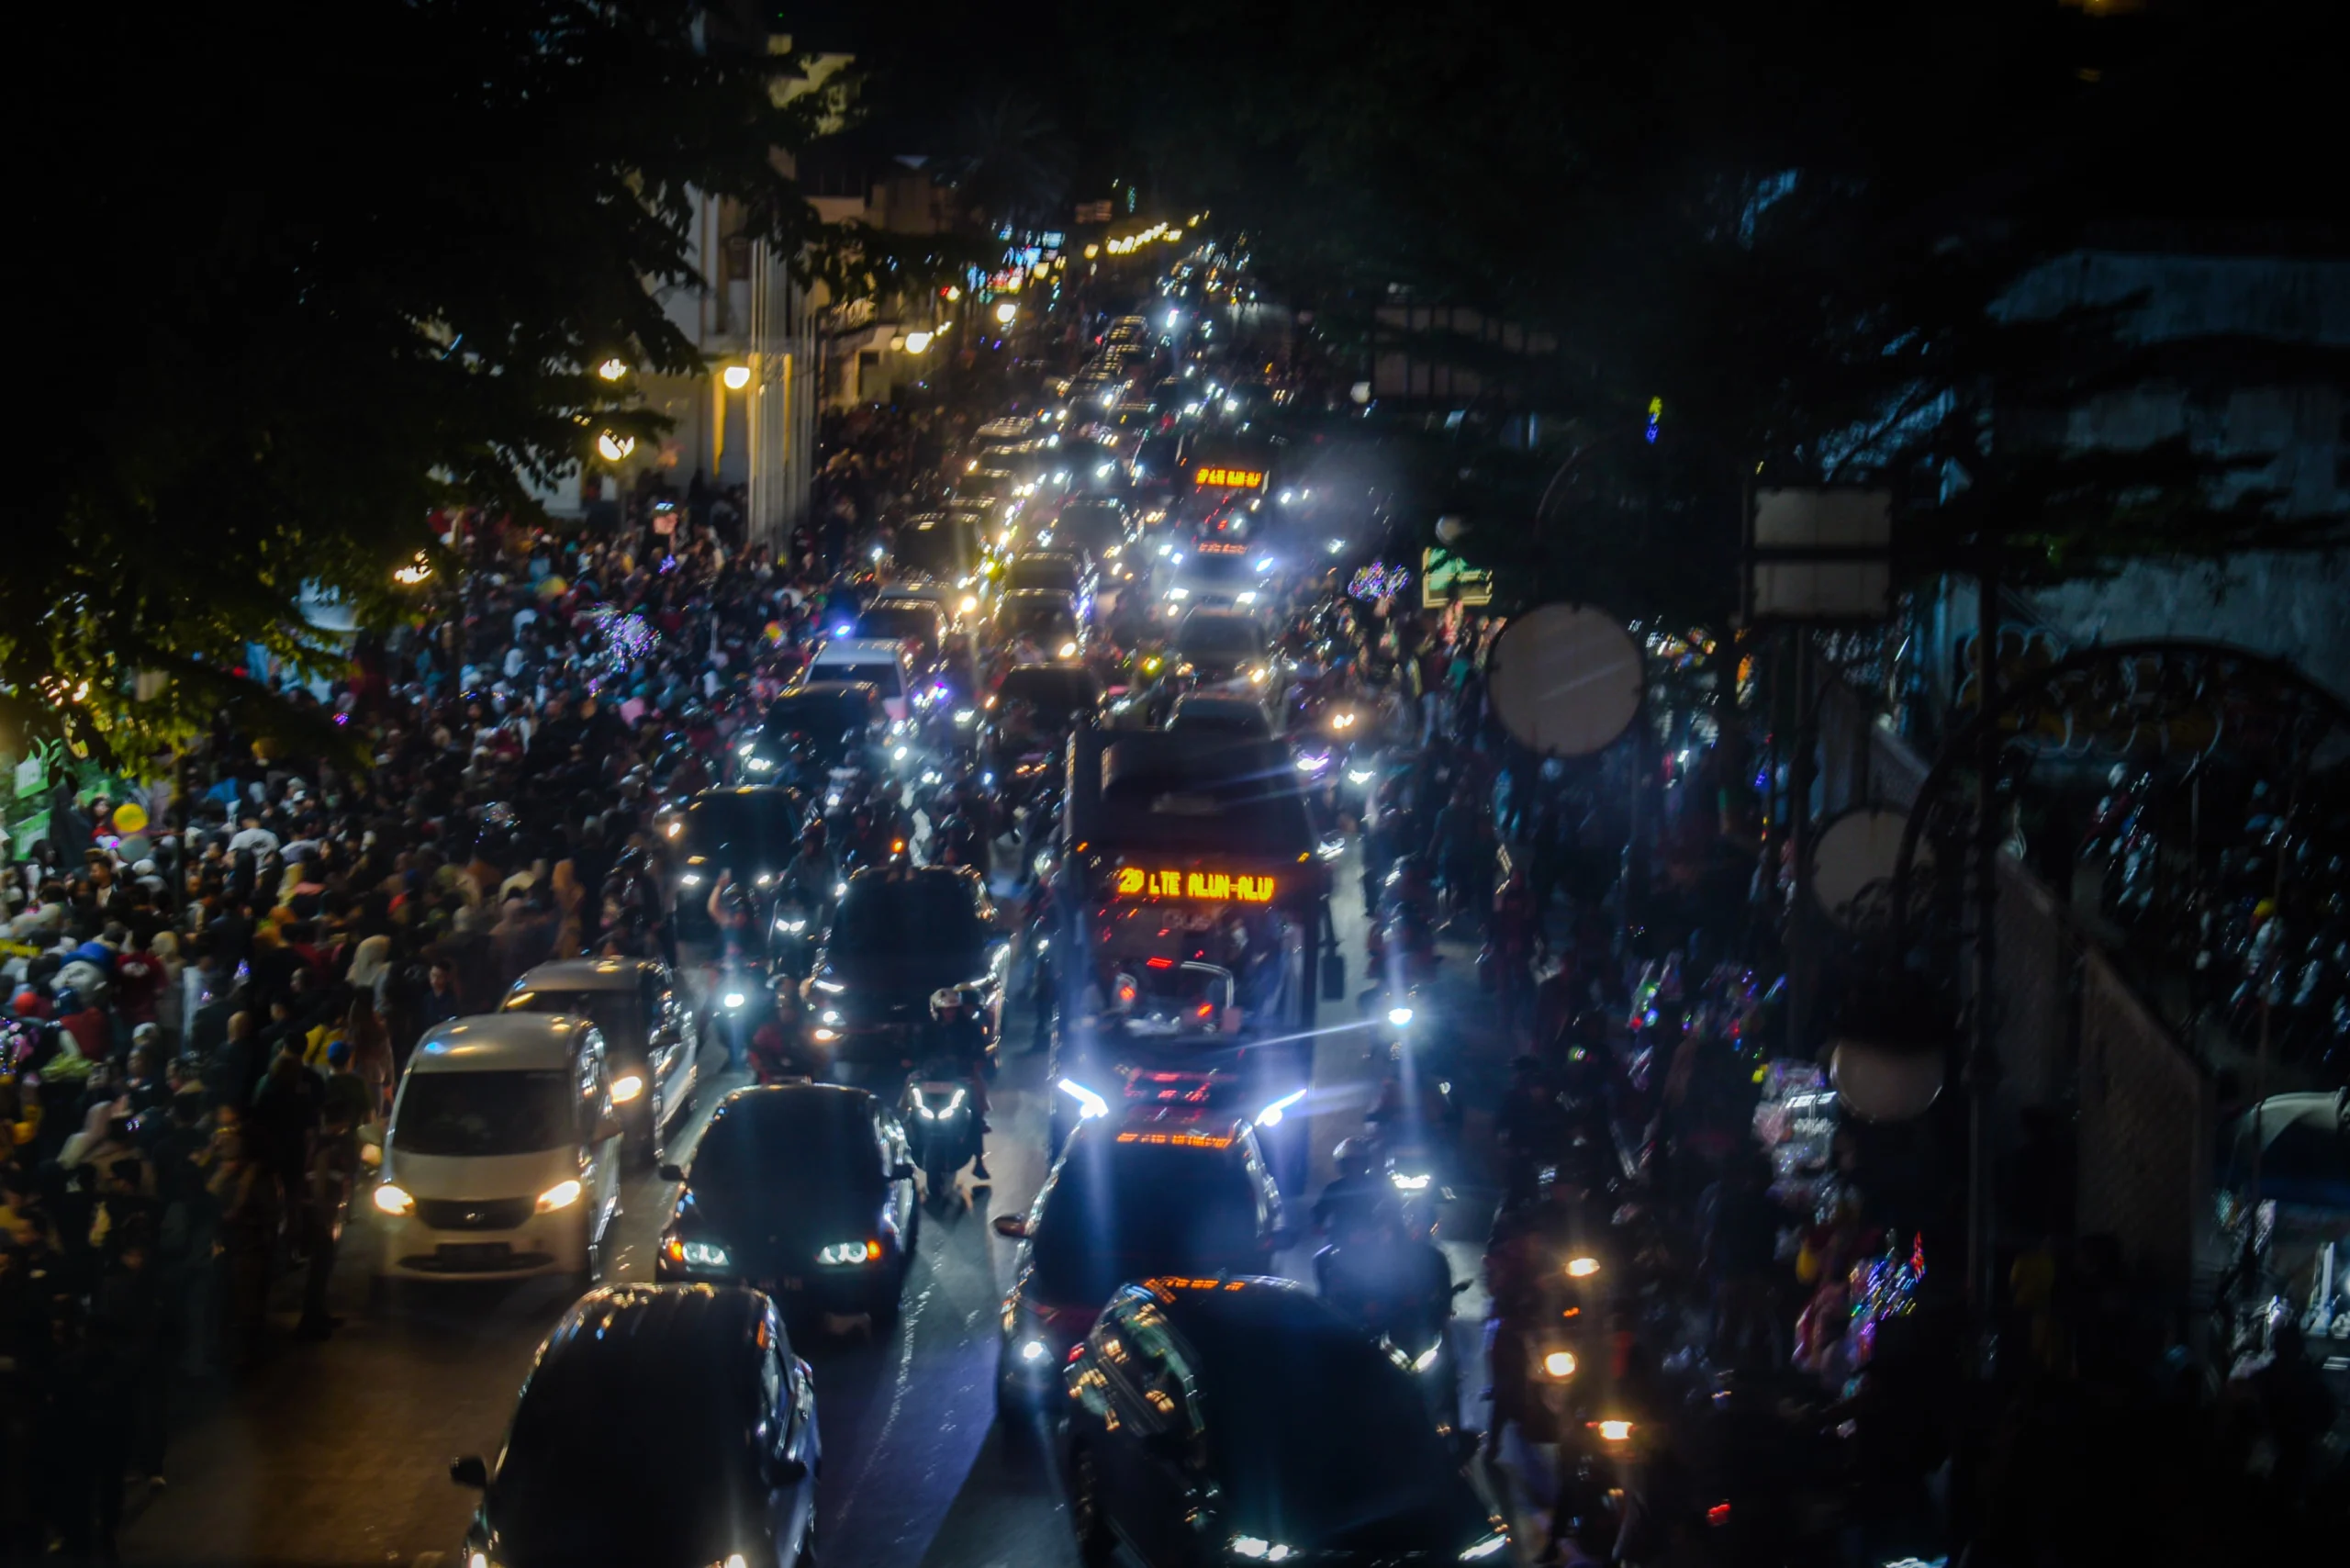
[561,1195]
[394,1200]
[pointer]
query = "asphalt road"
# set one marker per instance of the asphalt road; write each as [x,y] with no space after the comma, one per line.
[337,1452]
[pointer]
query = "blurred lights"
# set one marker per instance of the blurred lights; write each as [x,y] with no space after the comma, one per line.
[736,377]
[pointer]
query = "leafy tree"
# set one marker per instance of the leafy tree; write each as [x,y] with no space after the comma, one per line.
[311,273]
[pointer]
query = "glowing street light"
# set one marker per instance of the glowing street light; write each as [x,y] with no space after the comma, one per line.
[414,572]
[612,369]
[917,341]
[614,445]
[736,377]
[1006,312]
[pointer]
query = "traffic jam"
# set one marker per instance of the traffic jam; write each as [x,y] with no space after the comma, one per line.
[1061,826]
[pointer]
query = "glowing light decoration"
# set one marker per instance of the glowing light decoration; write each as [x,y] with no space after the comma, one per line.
[1380,580]
[1656,418]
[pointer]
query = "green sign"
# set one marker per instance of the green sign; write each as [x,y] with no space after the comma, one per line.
[1446,577]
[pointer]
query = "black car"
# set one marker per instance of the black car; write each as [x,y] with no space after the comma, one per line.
[750,833]
[900,933]
[666,1426]
[1034,707]
[804,1190]
[811,730]
[1231,1419]
[1220,646]
[1124,1201]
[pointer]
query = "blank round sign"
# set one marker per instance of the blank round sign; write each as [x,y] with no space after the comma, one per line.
[1856,849]
[1566,680]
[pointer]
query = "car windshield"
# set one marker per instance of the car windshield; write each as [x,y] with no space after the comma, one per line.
[922,913]
[933,546]
[800,1148]
[1092,528]
[1121,1212]
[822,716]
[898,621]
[473,1115]
[1321,1431]
[617,1013]
[1041,618]
[567,1492]
[881,674]
[742,829]
[1218,570]
[1057,577]
[1053,694]
[1205,637]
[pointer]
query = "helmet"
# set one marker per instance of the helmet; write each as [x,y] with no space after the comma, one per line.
[1352,1157]
[946,1004]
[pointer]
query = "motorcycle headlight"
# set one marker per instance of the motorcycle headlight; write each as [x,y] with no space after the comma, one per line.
[1486,1548]
[1399,1016]
[1425,1359]
[690,878]
[1582,1268]
[734,999]
[1560,1364]
[561,1195]
[1408,1183]
[626,1087]
[758,764]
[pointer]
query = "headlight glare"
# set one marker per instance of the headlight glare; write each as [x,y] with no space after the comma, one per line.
[561,1195]
[394,1200]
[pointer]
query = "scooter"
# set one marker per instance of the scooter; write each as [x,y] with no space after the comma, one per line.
[1402,1295]
[941,1122]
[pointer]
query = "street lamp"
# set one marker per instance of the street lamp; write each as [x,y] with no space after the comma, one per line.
[1006,312]
[612,369]
[736,377]
[614,445]
[917,341]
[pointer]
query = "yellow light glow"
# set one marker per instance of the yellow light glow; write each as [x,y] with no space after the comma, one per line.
[1583,1267]
[414,572]
[736,377]
[917,341]
[1214,887]
[615,446]
[612,369]
[1006,312]
[1559,1363]
[1616,1431]
[1092,252]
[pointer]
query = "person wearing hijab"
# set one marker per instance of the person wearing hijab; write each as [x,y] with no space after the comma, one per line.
[371,1053]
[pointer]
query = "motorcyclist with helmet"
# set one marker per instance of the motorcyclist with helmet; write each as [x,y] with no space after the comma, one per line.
[813,874]
[1350,1205]
[1525,1264]
[957,1032]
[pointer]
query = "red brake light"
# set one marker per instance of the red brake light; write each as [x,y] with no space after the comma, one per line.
[1719,1514]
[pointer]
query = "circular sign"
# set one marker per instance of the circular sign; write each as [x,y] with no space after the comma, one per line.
[1856,850]
[1566,680]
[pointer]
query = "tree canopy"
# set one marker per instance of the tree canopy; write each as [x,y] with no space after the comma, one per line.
[310,273]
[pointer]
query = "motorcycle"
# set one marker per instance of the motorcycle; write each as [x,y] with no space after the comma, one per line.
[791,937]
[941,1122]
[1401,1293]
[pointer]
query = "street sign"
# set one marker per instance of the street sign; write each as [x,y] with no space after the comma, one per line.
[1858,850]
[1823,553]
[1446,577]
[1566,679]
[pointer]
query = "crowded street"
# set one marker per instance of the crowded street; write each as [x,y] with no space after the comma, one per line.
[913,789]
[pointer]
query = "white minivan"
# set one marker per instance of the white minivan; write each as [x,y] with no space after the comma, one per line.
[503,1156]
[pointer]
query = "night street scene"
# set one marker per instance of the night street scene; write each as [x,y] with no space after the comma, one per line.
[922,786]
